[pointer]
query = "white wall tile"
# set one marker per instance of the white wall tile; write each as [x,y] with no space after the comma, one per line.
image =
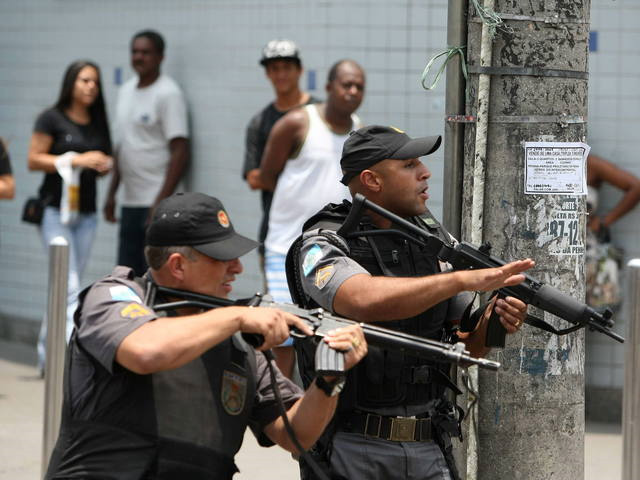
[212,51]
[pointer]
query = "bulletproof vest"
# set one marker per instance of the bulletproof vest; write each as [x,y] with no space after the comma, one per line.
[387,378]
[183,423]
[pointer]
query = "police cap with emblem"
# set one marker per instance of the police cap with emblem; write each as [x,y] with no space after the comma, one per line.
[199,221]
[370,145]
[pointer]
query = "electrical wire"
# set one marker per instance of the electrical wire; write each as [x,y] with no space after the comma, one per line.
[492,19]
[287,425]
[450,53]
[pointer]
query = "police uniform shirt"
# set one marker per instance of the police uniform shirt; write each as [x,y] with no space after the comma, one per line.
[325,267]
[197,404]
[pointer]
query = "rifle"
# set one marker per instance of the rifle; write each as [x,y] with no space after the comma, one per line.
[464,256]
[328,361]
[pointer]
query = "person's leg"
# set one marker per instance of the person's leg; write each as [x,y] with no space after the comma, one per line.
[356,456]
[131,242]
[277,287]
[274,266]
[83,232]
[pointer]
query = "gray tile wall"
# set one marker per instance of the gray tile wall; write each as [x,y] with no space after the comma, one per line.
[614,119]
[213,49]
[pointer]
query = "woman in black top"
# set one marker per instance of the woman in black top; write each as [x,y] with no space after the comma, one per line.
[71,138]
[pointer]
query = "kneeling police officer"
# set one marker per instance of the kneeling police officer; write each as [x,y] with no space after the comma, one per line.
[149,396]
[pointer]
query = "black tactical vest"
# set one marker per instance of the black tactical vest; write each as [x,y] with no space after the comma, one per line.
[183,423]
[388,378]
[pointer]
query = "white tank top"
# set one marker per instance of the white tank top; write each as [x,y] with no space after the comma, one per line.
[307,183]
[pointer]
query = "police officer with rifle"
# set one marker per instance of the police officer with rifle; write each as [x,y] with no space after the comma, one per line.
[393,418]
[150,395]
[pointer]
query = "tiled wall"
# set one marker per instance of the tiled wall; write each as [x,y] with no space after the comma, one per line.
[614,119]
[213,49]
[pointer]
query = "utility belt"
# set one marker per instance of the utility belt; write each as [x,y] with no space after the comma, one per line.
[396,429]
[441,421]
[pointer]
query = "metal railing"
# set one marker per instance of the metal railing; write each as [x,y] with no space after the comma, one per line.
[56,342]
[631,393]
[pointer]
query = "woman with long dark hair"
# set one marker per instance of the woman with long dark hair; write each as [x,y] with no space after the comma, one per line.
[72,145]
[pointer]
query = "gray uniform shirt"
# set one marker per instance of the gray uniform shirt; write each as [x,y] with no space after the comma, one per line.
[325,267]
[112,309]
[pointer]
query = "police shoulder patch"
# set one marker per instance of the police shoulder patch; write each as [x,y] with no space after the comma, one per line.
[134,310]
[312,257]
[233,392]
[323,275]
[122,293]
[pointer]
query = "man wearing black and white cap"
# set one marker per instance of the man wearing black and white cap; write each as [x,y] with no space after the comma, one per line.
[283,67]
[393,419]
[164,397]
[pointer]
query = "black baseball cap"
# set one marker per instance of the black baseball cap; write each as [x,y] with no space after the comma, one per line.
[199,221]
[280,49]
[372,144]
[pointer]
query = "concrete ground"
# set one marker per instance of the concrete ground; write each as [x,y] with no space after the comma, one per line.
[22,406]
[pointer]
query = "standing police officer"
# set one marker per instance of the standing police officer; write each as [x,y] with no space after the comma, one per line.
[165,397]
[393,420]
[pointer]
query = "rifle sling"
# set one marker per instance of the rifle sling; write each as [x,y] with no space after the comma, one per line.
[542,325]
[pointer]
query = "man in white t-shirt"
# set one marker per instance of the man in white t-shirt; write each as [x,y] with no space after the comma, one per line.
[151,146]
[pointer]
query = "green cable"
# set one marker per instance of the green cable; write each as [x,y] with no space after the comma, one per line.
[491,19]
[450,52]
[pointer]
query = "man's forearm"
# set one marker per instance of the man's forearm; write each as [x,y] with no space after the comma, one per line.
[373,299]
[170,342]
[367,298]
[115,180]
[267,180]
[7,186]
[178,163]
[309,416]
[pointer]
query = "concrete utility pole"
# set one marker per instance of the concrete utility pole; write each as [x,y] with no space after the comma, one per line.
[531,412]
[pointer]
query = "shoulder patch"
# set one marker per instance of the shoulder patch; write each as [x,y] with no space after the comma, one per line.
[323,275]
[134,310]
[233,392]
[312,257]
[122,293]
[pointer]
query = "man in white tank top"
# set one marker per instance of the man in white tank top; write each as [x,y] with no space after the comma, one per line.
[301,165]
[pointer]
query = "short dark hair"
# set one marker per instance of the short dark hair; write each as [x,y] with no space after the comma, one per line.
[154,37]
[333,71]
[157,256]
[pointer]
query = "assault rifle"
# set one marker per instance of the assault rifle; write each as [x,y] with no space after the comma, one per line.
[328,361]
[464,256]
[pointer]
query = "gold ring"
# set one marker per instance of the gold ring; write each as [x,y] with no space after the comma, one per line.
[355,342]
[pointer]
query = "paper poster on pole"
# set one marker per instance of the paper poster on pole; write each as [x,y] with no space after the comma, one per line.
[553,168]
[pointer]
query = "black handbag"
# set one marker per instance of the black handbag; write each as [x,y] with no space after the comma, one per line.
[33,210]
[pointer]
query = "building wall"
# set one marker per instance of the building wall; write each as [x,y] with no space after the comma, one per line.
[213,48]
[614,119]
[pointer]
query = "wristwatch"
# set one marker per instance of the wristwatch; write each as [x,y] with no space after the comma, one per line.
[330,389]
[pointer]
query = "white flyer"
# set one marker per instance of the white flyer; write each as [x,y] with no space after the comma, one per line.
[555,168]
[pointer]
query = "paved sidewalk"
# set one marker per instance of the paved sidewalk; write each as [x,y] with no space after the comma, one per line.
[22,407]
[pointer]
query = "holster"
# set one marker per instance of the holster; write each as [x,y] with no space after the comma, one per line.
[447,423]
